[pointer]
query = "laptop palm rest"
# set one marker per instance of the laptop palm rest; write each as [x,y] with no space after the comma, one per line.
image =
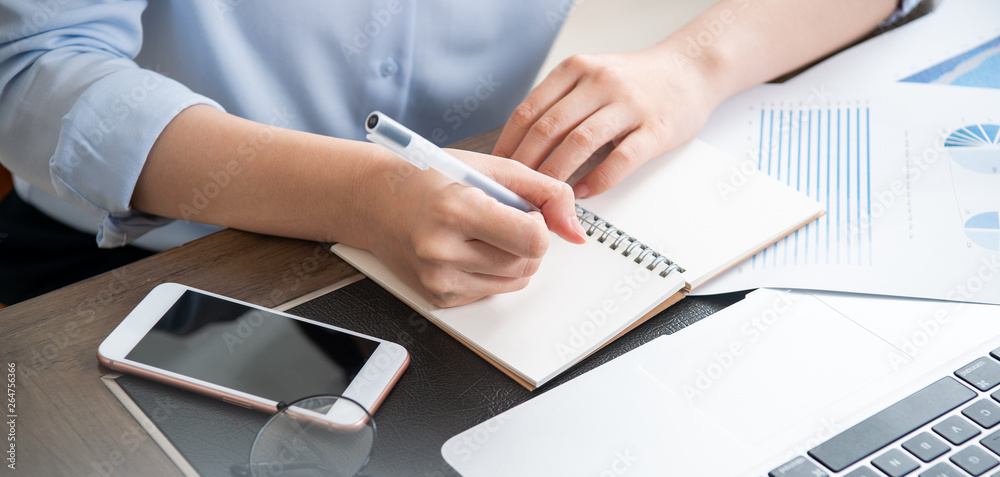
[777,372]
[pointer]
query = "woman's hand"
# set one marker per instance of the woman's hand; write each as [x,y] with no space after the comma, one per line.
[644,102]
[649,101]
[455,244]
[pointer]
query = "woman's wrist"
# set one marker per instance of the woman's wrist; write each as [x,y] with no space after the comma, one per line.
[703,70]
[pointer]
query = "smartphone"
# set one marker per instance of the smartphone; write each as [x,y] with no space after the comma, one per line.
[248,355]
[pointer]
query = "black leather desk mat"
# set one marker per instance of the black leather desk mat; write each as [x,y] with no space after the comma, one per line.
[446,389]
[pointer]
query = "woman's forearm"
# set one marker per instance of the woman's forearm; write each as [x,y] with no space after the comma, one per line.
[740,43]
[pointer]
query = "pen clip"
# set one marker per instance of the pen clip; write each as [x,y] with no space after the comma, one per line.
[381,141]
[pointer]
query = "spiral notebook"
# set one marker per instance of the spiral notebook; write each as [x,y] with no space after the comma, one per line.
[679,220]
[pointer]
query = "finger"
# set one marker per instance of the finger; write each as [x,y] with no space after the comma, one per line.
[553,88]
[554,125]
[633,151]
[612,121]
[479,257]
[504,227]
[473,286]
[553,197]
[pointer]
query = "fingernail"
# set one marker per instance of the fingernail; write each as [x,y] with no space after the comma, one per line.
[577,227]
[581,191]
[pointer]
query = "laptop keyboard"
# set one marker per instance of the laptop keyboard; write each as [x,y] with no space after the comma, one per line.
[947,429]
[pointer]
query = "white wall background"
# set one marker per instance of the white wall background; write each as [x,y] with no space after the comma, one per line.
[603,26]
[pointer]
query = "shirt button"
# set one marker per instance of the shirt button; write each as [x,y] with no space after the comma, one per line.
[389,67]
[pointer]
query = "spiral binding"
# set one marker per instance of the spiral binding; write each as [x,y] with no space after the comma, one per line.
[595,225]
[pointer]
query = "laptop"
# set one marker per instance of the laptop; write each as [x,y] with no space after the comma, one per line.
[783,384]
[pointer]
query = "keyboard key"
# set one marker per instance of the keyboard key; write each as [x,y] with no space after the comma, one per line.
[863,471]
[985,413]
[941,470]
[891,423]
[798,467]
[974,460]
[926,447]
[992,442]
[983,373]
[956,429]
[895,463]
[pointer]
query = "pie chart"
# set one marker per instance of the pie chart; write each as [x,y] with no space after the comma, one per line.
[976,147]
[984,230]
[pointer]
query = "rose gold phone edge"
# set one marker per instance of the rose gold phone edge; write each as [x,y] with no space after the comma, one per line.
[228,397]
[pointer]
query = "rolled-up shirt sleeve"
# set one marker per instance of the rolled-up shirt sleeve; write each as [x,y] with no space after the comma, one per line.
[78,116]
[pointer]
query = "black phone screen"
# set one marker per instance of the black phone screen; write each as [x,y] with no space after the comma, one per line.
[252,350]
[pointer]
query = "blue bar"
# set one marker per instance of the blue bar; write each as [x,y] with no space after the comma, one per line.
[857,188]
[770,141]
[788,168]
[847,180]
[868,160]
[760,148]
[819,154]
[838,185]
[809,130]
[760,162]
[798,179]
[828,161]
[781,123]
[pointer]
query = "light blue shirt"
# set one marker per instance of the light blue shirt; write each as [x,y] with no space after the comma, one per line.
[88,85]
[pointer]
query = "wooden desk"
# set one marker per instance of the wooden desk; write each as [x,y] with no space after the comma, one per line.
[67,422]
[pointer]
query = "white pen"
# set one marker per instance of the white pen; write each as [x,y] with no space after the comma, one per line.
[420,152]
